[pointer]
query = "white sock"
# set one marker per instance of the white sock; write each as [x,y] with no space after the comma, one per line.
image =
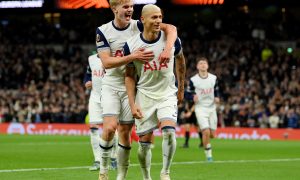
[123,161]
[208,151]
[168,148]
[145,156]
[105,149]
[115,147]
[95,141]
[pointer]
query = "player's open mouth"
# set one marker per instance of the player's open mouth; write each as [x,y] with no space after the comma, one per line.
[128,16]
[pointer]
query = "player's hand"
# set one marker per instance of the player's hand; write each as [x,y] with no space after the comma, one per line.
[195,98]
[188,114]
[88,85]
[217,100]
[164,56]
[180,96]
[137,112]
[142,55]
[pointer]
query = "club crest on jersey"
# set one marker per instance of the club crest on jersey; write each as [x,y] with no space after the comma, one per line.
[153,66]
[119,53]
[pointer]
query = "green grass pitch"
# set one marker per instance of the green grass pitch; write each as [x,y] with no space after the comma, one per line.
[68,157]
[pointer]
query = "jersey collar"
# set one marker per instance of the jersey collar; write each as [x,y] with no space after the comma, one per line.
[150,42]
[203,77]
[120,29]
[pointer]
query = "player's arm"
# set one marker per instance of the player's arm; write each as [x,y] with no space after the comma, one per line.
[171,33]
[216,92]
[180,73]
[112,62]
[190,111]
[180,70]
[104,52]
[130,82]
[131,89]
[88,78]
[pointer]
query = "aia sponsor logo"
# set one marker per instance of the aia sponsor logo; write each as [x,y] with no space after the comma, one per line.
[206,91]
[154,66]
[98,73]
[15,128]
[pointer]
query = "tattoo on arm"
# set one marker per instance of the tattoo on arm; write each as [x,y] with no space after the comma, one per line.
[180,70]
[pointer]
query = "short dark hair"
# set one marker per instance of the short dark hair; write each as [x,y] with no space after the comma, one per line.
[202,59]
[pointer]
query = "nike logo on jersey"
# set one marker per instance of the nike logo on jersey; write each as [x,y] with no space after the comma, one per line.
[112,41]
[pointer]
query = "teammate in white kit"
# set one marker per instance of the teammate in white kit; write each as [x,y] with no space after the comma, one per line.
[93,81]
[155,100]
[110,39]
[205,87]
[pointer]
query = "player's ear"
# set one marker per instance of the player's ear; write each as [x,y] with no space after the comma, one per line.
[142,19]
[114,9]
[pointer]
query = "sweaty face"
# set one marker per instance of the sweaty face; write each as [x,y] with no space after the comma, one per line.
[124,11]
[202,66]
[153,20]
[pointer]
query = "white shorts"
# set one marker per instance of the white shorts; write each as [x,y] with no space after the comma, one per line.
[95,112]
[154,111]
[206,117]
[115,103]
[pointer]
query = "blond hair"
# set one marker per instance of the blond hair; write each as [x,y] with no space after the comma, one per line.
[114,3]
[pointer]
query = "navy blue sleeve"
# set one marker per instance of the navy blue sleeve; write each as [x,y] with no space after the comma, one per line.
[126,50]
[191,87]
[140,26]
[177,46]
[216,89]
[88,75]
[101,41]
[189,92]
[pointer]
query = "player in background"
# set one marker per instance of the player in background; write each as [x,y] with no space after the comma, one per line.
[206,90]
[190,120]
[110,39]
[93,81]
[155,102]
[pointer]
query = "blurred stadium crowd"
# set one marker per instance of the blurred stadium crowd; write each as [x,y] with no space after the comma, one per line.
[42,68]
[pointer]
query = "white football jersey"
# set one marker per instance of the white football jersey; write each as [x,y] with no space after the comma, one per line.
[156,80]
[108,36]
[97,72]
[205,89]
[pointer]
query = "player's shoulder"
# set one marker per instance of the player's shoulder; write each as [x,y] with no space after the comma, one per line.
[134,40]
[212,76]
[135,22]
[136,25]
[194,77]
[93,57]
[106,27]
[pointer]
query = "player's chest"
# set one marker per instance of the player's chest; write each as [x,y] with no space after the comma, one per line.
[204,84]
[97,69]
[117,40]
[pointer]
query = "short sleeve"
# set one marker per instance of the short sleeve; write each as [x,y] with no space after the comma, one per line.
[101,42]
[177,46]
[140,26]
[126,49]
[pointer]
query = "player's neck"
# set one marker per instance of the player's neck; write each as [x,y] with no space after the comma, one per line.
[203,74]
[150,35]
[119,24]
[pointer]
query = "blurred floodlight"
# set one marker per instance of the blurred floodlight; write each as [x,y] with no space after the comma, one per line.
[144,1]
[22,4]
